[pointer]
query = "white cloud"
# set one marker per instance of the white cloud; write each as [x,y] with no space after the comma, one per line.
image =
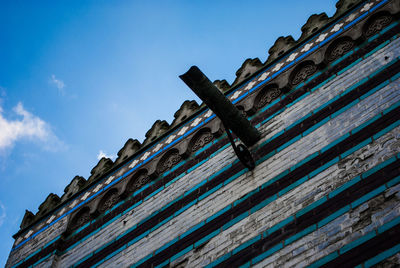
[103,154]
[26,126]
[3,214]
[58,83]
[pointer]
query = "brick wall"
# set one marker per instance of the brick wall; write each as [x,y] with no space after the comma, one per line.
[325,190]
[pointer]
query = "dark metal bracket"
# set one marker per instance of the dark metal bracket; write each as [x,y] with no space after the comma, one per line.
[241,151]
[228,113]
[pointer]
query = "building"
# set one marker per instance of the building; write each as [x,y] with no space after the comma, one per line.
[324,192]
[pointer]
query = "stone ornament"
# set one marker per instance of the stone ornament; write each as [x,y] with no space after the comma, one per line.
[170,159]
[199,140]
[266,96]
[302,72]
[377,24]
[137,182]
[338,48]
[80,219]
[108,201]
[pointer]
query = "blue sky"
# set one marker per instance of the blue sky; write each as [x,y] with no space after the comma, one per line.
[78,78]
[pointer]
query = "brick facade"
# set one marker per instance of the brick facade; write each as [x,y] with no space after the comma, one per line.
[325,190]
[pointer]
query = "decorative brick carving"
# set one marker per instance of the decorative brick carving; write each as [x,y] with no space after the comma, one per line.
[51,202]
[282,44]
[187,109]
[158,128]
[169,159]
[200,139]
[222,85]
[249,67]
[377,23]
[28,219]
[302,72]
[108,200]
[80,219]
[131,146]
[140,179]
[338,48]
[344,5]
[266,95]
[75,186]
[313,24]
[102,167]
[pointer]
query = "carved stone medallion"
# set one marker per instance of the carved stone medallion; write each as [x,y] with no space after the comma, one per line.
[108,201]
[80,219]
[200,139]
[137,182]
[266,96]
[339,48]
[302,73]
[377,24]
[169,160]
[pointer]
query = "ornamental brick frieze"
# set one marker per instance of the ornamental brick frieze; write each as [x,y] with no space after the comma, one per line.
[80,219]
[108,200]
[376,23]
[203,137]
[266,95]
[169,159]
[338,48]
[137,181]
[296,64]
[302,72]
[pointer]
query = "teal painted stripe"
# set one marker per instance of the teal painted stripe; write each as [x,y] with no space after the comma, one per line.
[218,261]
[163,264]
[355,148]
[246,265]
[333,216]
[324,260]
[293,185]
[349,66]
[389,225]
[183,252]
[376,49]
[323,167]
[278,226]
[344,187]
[141,261]
[377,167]
[167,245]
[266,254]
[301,234]
[82,260]
[222,211]
[363,125]
[389,128]
[246,244]
[263,204]
[357,242]
[206,238]
[382,85]
[382,256]
[235,220]
[393,182]
[312,206]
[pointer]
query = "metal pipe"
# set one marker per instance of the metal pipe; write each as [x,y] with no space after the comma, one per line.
[220,105]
